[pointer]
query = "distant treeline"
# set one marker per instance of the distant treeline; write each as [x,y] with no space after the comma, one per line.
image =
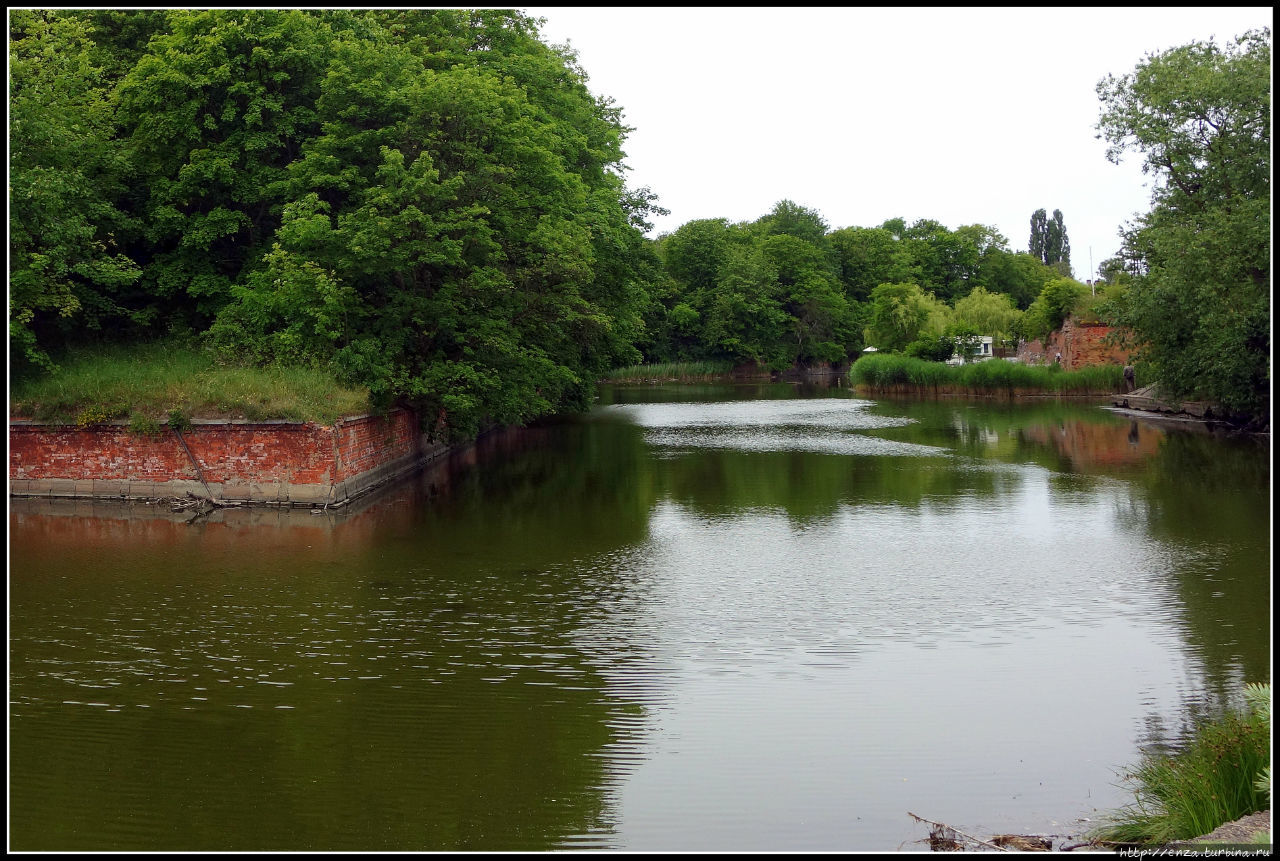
[786,288]
[430,204]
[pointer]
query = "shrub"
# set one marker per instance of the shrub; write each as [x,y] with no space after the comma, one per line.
[1258,698]
[178,420]
[98,414]
[932,349]
[144,425]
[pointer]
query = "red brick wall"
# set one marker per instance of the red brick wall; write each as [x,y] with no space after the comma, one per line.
[283,452]
[366,443]
[1080,345]
[300,454]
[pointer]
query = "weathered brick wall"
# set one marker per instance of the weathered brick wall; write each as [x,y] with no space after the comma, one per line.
[371,441]
[1080,345]
[297,453]
[268,461]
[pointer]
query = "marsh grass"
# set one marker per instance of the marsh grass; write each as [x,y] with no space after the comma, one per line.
[150,383]
[904,374]
[1208,783]
[679,371]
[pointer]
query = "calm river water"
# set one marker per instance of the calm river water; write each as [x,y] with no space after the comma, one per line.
[707,617]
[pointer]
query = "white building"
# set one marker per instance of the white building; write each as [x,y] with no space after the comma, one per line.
[985,350]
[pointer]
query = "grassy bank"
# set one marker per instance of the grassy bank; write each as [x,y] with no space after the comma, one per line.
[669,372]
[892,374]
[146,383]
[1222,774]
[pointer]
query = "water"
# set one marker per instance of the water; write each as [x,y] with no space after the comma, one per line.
[711,617]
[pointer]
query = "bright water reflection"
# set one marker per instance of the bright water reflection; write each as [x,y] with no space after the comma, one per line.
[704,617]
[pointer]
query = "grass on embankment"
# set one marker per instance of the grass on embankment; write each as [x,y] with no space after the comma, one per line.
[677,371]
[893,374]
[147,383]
[1221,775]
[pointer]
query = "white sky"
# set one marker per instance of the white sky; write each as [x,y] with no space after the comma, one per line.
[960,115]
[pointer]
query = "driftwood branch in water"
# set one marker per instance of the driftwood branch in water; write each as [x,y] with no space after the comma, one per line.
[940,829]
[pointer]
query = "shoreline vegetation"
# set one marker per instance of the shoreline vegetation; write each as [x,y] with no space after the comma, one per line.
[1220,775]
[885,374]
[154,382]
[889,374]
[160,382]
[666,372]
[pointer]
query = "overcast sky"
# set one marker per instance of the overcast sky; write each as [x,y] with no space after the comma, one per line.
[960,115]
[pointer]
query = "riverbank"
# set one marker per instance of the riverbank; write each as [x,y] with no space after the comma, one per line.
[151,384]
[1248,830]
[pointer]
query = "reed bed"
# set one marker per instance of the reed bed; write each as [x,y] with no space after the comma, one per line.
[670,372]
[893,374]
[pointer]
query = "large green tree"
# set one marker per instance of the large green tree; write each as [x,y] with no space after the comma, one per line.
[68,270]
[866,257]
[988,313]
[477,250]
[899,314]
[1059,298]
[1200,116]
[1021,276]
[767,292]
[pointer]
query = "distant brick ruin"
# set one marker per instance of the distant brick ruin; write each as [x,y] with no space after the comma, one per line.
[1080,345]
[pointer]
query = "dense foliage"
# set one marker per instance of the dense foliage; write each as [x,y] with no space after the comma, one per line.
[429,202]
[67,176]
[1197,267]
[786,289]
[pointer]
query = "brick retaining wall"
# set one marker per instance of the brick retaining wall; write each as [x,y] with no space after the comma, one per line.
[1081,346]
[270,462]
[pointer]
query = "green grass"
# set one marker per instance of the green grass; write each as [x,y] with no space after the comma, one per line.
[151,384]
[1211,781]
[888,373]
[681,371]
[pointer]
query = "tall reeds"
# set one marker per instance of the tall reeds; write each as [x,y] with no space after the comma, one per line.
[1214,779]
[669,372]
[891,374]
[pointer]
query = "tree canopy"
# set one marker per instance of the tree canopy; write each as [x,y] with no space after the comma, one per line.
[1199,298]
[430,202]
[1048,242]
